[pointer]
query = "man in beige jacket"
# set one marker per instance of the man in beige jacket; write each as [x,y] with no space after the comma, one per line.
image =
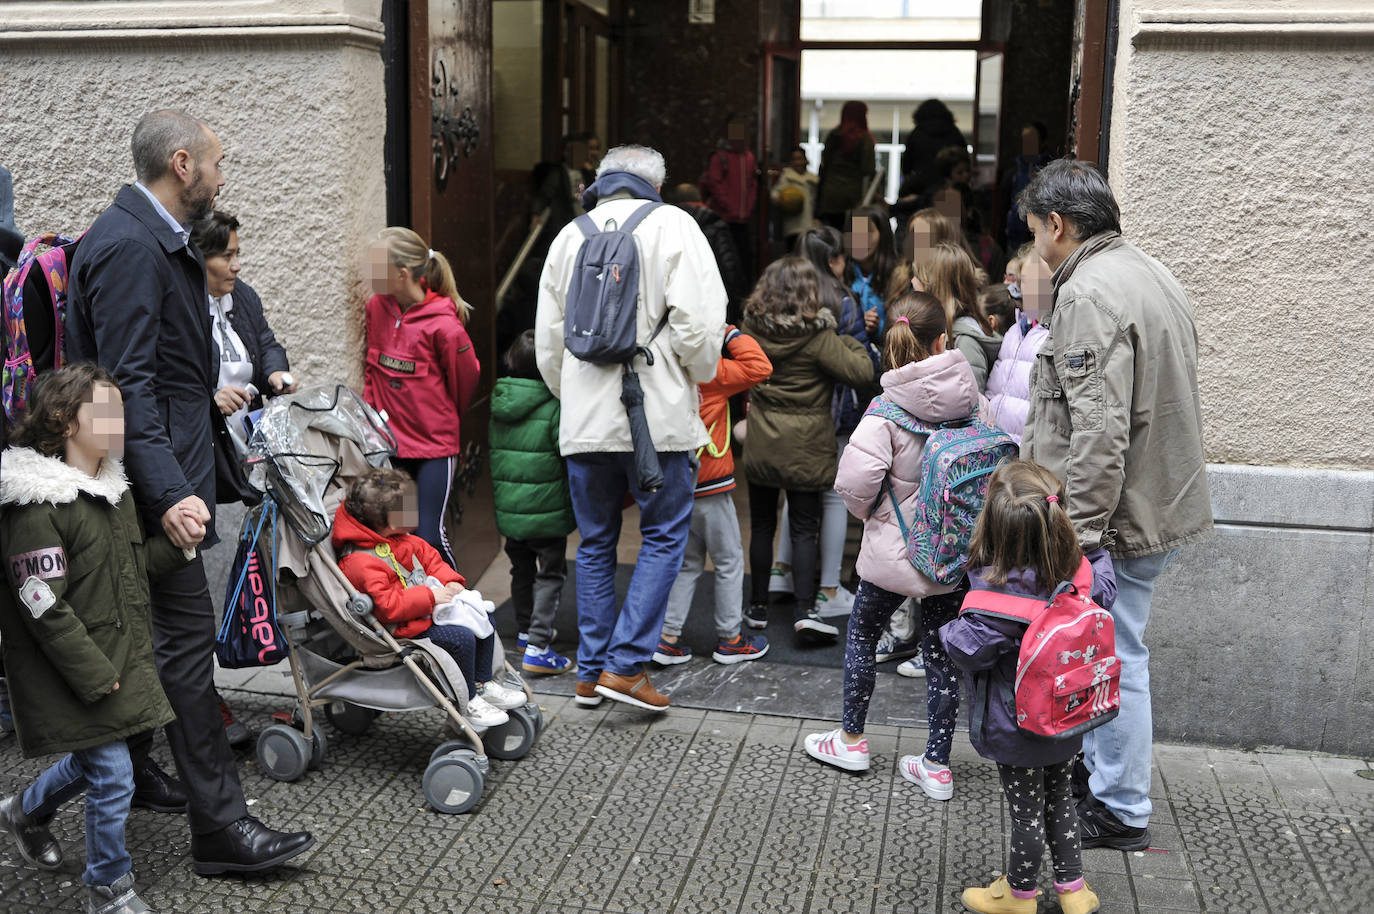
[681,320]
[1115,414]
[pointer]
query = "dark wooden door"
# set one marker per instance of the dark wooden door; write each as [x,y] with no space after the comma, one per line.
[451,207]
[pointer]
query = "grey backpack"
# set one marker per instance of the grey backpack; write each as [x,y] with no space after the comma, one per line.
[600,321]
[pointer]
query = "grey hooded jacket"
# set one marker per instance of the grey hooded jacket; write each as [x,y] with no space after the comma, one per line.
[1115,411]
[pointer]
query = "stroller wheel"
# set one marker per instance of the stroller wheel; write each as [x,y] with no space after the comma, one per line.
[283,752]
[538,714]
[452,745]
[514,738]
[319,744]
[453,782]
[349,718]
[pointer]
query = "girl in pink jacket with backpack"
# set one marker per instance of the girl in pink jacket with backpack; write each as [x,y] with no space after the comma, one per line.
[936,385]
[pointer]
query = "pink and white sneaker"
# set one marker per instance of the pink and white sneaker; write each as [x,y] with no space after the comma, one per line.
[938,783]
[833,750]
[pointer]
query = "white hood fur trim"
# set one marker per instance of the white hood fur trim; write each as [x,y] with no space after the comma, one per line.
[29,478]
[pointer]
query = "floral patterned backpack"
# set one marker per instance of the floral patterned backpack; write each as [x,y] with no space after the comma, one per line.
[956,463]
[50,254]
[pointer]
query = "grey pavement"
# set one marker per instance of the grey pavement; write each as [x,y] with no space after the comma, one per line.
[705,810]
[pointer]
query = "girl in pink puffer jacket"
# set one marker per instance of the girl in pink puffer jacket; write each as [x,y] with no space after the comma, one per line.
[936,385]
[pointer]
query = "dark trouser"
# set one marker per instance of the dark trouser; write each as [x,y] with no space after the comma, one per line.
[183,647]
[434,485]
[1037,798]
[942,679]
[873,607]
[471,653]
[538,569]
[804,521]
[744,244]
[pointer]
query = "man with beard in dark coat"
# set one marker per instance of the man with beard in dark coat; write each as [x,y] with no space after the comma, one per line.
[139,305]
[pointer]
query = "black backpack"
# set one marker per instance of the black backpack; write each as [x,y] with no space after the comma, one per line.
[600,321]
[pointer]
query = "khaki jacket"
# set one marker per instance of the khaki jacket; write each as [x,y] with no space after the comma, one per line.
[74,611]
[1114,409]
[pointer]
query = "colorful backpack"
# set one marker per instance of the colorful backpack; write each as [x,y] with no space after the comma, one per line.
[1068,678]
[955,466]
[25,357]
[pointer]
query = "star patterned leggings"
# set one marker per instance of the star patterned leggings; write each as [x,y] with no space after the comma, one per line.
[873,607]
[1037,798]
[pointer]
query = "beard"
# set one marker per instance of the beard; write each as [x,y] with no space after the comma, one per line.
[198,200]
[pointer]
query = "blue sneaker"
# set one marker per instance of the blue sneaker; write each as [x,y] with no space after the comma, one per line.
[740,649]
[544,660]
[522,640]
[670,654]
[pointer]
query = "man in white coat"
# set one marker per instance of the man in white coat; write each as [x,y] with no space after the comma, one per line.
[677,278]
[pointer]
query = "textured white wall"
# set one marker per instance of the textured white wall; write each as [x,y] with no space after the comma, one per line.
[1241,151]
[301,117]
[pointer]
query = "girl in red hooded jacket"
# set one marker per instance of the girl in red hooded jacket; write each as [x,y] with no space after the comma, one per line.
[421,368]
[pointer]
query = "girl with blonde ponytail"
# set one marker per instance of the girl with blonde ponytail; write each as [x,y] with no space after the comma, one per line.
[420,367]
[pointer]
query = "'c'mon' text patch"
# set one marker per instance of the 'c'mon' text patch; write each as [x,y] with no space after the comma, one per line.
[45,564]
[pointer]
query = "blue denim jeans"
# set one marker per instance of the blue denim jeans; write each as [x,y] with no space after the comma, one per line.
[622,641]
[1118,752]
[106,776]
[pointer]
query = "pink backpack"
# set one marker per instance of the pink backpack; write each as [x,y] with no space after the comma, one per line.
[1068,679]
[50,254]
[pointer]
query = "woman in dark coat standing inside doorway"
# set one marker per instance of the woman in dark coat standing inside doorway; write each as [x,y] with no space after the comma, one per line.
[847,165]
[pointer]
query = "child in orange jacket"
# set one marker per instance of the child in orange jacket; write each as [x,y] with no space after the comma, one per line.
[410,584]
[715,522]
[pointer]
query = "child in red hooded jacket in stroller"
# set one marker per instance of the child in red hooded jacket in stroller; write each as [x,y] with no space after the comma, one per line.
[415,593]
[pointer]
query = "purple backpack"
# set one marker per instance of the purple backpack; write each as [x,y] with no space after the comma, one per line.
[957,462]
[49,254]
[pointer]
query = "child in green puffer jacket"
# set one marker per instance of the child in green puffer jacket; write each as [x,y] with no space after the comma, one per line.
[533,506]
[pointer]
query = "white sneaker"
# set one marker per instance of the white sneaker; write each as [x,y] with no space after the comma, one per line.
[838,605]
[780,581]
[833,750]
[499,696]
[915,668]
[811,628]
[481,714]
[938,783]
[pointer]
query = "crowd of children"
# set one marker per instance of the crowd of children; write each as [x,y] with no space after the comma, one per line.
[848,355]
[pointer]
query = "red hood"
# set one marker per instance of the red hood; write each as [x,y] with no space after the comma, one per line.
[349,531]
[433,303]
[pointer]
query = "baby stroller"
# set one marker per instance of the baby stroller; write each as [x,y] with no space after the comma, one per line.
[303,452]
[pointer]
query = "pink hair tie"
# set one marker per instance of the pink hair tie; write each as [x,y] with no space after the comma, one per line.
[902,320]
[1052,499]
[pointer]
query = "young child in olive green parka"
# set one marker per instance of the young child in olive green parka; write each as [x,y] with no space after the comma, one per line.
[533,506]
[74,624]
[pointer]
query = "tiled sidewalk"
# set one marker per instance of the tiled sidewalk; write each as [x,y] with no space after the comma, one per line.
[704,811]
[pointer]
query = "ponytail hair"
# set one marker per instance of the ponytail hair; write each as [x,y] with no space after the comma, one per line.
[406,249]
[915,320]
[1025,524]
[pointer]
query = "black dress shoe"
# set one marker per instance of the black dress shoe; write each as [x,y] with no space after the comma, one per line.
[246,846]
[36,843]
[157,790]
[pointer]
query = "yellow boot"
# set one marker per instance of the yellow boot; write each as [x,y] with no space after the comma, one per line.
[1082,901]
[998,899]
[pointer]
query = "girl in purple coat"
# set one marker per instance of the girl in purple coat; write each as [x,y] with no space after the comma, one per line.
[1024,543]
